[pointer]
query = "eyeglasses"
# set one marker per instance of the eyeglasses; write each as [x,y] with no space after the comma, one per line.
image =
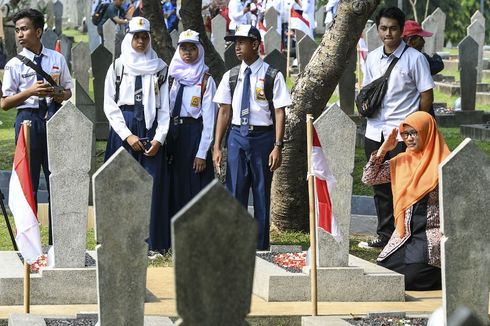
[407,134]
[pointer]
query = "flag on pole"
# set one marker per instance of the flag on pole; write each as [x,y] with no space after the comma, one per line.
[23,207]
[324,184]
[300,23]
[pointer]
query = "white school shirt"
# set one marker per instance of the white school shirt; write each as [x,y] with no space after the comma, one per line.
[259,107]
[308,7]
[126,97]
[236,15]
[18,77]
[410,77]
[194,107]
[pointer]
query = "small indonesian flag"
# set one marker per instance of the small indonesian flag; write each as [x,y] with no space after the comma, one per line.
[324,184]
[23,206]
[57,47]
[300,23]
[262,30]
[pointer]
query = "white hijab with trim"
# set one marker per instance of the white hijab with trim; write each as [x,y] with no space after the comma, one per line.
[147,65]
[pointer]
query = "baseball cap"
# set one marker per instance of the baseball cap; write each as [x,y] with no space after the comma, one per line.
[139,24]
[412,28]
[244,31]
[189,36]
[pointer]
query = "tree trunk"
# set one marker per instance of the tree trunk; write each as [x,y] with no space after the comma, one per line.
[190,13]
[160,38]
[310,94]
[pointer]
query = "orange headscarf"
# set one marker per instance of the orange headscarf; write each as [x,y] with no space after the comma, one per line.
[415,174]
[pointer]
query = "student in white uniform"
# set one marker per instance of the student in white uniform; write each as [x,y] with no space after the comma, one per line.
[253,96]
[193,113]
[138,114]
[239,13]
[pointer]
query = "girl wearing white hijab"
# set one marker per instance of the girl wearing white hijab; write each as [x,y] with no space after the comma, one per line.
[193,115]
[138,113]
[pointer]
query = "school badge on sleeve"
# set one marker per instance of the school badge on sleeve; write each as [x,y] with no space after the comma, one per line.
[195,101]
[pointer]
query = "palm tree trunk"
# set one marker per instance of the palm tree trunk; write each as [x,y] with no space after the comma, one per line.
[310,94]
[160,38]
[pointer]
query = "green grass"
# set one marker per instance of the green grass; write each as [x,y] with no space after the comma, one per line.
[78,37]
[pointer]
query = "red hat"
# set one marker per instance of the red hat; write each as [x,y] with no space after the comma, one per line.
[413,28]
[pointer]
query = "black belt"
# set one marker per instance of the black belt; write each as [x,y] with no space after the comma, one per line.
[31,110]
[185,120]
[256,128]
[127,107]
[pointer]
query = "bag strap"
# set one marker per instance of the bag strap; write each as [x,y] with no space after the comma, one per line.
[393,63]
[37,69]
[119,70]
[204,84]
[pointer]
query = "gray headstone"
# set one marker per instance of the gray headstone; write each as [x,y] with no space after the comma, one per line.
[468,61]
[220,293]
[440,18]
[109,31]
[2,33]
[71,9]
[463,317]
[477,16]
[94,39]
[120,33]
[299,34]
[58,16]
[347,85]
[69,137]
[10,42]
[337,134]
[101,60]
[81,64]
[271,18]
[66,43]
[372,38]
[218,26]
[122,198]
[430,24]
[465,212]
[272,40]
[306,47]
[320,21]
[230,57]
[49,39]
[174,35]
[277,60]
[49,14]
[477,31]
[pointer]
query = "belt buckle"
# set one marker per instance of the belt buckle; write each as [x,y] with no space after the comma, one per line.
[250,128]
[177,121]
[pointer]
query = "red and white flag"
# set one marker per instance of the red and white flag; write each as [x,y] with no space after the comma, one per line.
[23,207]
[324,184]
[363,52]
[300,23]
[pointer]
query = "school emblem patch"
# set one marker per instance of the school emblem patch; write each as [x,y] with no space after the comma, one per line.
[195,101]
[259,94]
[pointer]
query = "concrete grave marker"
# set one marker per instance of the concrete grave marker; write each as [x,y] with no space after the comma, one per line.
[477,16]
[372,38]
[58,16]
[299,35]
[122,225]
[320,21]
[69,135]
[440,18]
[66,43]
[272,40]
[2,33]
[430,24]
[175,38]
[94,39]
[220,293]
[465,212]
[72,12]
[277,60]
[218,26]
[337,134]
[271,18]
[230,57]
[101,60]
[11,47]
[81,64]
[477,31]
[49,38]
[50,14]
[347,85]
[109,31]
[306,47]
[468,61]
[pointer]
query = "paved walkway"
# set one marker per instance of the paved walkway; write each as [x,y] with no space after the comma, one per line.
[161,299]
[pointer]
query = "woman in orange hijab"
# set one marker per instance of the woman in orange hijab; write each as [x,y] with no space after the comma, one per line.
[414,248]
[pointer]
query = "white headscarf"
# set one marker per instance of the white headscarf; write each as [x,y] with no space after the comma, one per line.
[146,65]
[188,74]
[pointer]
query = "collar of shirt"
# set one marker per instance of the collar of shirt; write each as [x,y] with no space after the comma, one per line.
[254,67]
[397,53]
[30,55]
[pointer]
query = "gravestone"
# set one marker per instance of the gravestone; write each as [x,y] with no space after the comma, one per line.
[430,24]
[49,38]
[299,34]
[320,21]
[347,85]
[94,39]
[71,9]
[372,38]
[220,294]
[81,65]
[122,250]
[101,60]
[477,16]
[58,16]
[174,35]
[120,33]
[277,60]
[50,14]
[109,31]
[468,62]
[440,18]
[230,57]
[337,135]
[218,27]
[2,33]
[66,43]
[69,138]
[272,40]
[477,31]
[306,47]
[465,212]
[11,46]
[271,19]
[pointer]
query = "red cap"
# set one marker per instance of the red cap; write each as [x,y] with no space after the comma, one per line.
[413,28]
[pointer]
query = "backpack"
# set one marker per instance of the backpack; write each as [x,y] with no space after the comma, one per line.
[119,70]
[99,12]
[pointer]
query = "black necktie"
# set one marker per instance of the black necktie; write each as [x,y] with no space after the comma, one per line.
[43,105]
[139,113]
[245,110]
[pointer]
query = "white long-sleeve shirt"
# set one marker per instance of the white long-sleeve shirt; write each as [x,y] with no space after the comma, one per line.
[236,14]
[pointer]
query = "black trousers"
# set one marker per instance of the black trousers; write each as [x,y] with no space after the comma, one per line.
[383,198]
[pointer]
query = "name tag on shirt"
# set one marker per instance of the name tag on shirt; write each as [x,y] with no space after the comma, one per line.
[28,74]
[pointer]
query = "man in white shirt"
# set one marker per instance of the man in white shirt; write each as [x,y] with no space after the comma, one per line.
[239,13]
[409,89]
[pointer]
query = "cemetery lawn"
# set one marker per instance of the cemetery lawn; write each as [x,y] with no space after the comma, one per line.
[77,36]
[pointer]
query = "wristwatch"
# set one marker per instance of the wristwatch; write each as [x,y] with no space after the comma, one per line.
[279,144]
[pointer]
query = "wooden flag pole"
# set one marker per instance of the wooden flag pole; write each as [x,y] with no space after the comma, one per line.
[27,268]
[311,202]
[288,59]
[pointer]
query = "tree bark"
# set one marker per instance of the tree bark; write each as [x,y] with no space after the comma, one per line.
[160,38]
[190,13]
[310,94]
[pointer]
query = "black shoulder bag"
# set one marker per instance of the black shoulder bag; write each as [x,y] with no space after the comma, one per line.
[371,96]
